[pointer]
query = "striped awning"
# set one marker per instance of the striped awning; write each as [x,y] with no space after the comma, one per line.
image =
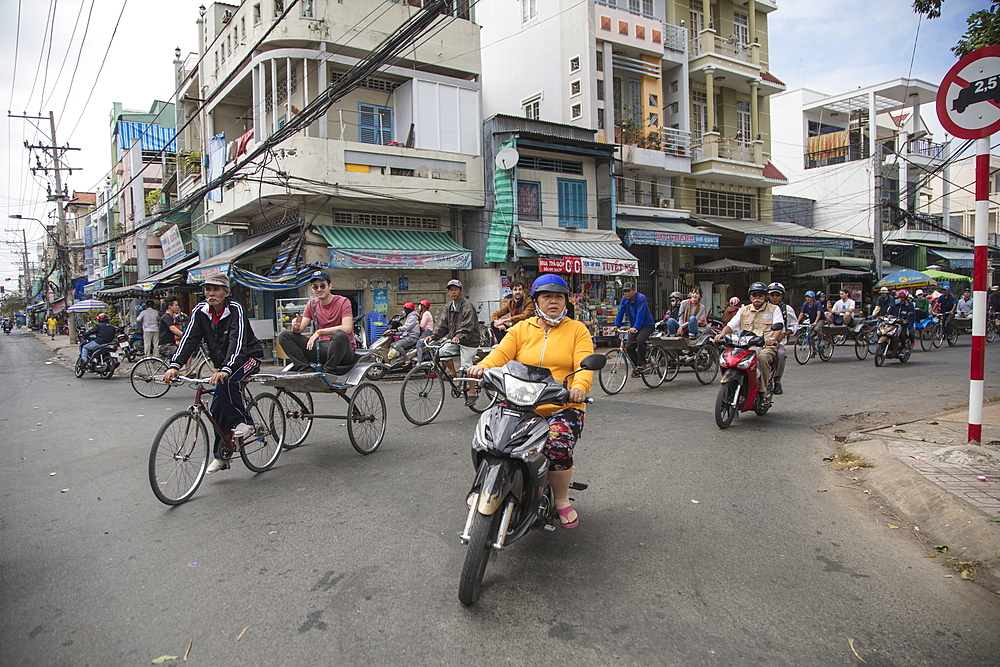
[360,247]
[580,249]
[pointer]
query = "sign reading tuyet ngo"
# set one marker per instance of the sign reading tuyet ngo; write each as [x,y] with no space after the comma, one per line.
[968,100]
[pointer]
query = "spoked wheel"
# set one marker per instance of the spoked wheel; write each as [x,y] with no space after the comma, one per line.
[484,528]
[297,424]
[422,395]
[657,363]
[145,375]
[366,418]
[724,408]
[802,347]
[614,375]
[178,459]
[673,365]
[824,346]
[205,370]
[991,330]
[706,364]
[485,398]
[952,336]
[840,339]
[926,339]
[79,368]
[938,335]
[880,352]
[376,371]
[262,445]
[861,346]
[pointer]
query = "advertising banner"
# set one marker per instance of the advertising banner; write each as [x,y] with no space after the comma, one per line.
[801,241]
[610,267]
[399,259]
[173,247]
[560,265]
[672,239]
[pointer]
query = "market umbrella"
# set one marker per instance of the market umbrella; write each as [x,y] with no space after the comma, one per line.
[87,305]
[729,265]
[905,278]
[944,275]
[833,272]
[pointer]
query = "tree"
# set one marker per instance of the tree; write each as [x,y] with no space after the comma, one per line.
[983,30]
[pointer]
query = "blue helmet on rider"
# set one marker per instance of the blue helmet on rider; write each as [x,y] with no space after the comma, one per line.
[549,282]
[811,293]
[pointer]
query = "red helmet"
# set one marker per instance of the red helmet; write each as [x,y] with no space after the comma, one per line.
[409,305]
[902,293]
[425,303]
[102,317]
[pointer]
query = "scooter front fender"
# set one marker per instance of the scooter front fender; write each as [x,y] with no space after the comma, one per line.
[495,486]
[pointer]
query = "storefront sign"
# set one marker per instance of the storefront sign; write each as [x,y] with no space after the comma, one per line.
[801,241]
[672,239]
[199,275]
[398,259]
[173,247]
[560,265]
[610,267]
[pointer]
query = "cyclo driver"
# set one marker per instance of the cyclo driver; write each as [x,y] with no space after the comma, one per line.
[758,317]
[554,341]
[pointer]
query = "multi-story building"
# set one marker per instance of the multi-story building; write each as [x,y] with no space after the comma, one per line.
[77,210]
[378,183]
[681,87]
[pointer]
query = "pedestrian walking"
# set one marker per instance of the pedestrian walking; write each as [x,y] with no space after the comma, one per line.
[149,322]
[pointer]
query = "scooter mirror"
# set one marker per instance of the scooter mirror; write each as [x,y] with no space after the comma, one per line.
[593,362]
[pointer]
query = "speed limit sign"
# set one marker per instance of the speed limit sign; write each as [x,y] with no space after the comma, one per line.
[968,101]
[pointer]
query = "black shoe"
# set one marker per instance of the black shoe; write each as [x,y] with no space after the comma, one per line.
[777,388]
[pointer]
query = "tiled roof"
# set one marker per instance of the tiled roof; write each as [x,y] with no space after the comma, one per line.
[767,76]
[772,173]
[83,198]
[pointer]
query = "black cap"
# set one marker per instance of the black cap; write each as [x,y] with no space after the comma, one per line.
[319,275]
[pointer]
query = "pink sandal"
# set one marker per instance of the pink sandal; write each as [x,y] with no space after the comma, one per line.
[564,517]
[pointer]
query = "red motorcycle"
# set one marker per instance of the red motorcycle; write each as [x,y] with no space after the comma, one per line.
[739,391]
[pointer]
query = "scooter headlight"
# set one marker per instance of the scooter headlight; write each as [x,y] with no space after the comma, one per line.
[745,363]
[520,392]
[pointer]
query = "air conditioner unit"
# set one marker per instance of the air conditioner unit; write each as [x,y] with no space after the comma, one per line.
[666,202]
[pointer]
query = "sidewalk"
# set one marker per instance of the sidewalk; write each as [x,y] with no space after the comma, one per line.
[950,489]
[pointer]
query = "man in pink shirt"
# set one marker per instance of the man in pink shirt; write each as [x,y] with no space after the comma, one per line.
[333,341]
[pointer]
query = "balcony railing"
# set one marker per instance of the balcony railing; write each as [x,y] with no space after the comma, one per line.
[736,150]
[723,47]
[666,139]
[674,37]
[926,148]
[645,8]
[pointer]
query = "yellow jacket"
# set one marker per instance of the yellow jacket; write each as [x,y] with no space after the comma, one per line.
[561,350]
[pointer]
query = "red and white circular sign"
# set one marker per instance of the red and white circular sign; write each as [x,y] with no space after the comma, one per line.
[968,101]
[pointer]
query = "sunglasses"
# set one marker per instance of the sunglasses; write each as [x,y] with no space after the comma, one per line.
[318,286]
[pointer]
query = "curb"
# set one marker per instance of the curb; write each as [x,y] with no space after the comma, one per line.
[969,533]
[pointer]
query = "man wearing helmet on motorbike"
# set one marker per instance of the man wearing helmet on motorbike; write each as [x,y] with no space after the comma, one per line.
[759,317]
[776,294]
[554,341]
[103,333]
[902,308]
[408,332]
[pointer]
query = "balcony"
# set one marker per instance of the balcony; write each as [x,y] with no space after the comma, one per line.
[638,30]
[662,148]
[925,153]
[728,160]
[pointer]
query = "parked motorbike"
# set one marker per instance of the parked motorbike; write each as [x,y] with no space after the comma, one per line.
[103,360]
[511,494]
[891,344]
[739,391]
[379,353]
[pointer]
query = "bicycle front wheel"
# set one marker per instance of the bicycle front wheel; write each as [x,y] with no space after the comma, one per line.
[938,336]
[422,395]
[262,446]
[178,459]
[145,377]
[824,345]
[802,347]
[656,367]
[366,418]
[613,376]
[485,398]
[926,339]
[861,345]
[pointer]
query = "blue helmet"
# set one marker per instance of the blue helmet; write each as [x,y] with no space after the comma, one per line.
[811,293]
[549,282]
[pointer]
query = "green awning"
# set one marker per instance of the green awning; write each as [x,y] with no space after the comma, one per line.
[359,247]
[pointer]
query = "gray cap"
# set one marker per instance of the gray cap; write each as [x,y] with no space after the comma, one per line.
[454,283]
[628,287]
[217,279]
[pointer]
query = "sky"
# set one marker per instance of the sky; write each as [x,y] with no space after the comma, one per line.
[830,46]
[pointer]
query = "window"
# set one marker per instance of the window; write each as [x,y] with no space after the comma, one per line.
[529,10]
[741,28]
[600,60]
[600,119]
[674,87]
[636,110]
[654,119]
[621,192]
[306,10]
[576,111]
[572,203]
[256,13]
[574,64]
[674,107]
[724,204]
[374,124]
[279,8]
[699,113]
[654,192]
[532,108]
[654,100]
[529,200]
[243,27]
[574,88]
[550,164]
[600,89]
[636,190]
[743,123]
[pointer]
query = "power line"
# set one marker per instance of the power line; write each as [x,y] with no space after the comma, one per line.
[17,44]
[49,19]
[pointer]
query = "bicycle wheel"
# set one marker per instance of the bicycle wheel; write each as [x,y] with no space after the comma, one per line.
[803,345]
[205,369]
[926,338]
[613,376]
[952,336]
[673,365]
[262,446]
[861,345]
[991,330]
[421,395]
[178,458]
[938,336]
[706,364]
[144,377]
[366,418]
[485,399]
[657,363]
[297,424]
[824,347]
[840,339]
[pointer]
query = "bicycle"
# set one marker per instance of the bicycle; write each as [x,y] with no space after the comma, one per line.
[992,326]
[659,367]
[811,343]
[422,394]
[182,449]
[145,375]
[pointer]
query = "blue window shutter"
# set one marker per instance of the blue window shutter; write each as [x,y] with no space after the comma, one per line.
[374,124]
[572,203]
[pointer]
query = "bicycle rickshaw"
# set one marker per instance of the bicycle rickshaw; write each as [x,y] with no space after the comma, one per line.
[858,334]
[701,354]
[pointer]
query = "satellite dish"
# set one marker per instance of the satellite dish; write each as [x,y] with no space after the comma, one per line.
[506,158]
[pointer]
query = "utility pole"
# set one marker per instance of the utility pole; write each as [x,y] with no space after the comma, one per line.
[877,212]
[62,250]
[27,275]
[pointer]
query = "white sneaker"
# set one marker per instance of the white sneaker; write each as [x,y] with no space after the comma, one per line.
[216,465]
[243,429]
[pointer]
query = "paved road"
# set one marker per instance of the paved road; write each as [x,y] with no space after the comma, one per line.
[335,558]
